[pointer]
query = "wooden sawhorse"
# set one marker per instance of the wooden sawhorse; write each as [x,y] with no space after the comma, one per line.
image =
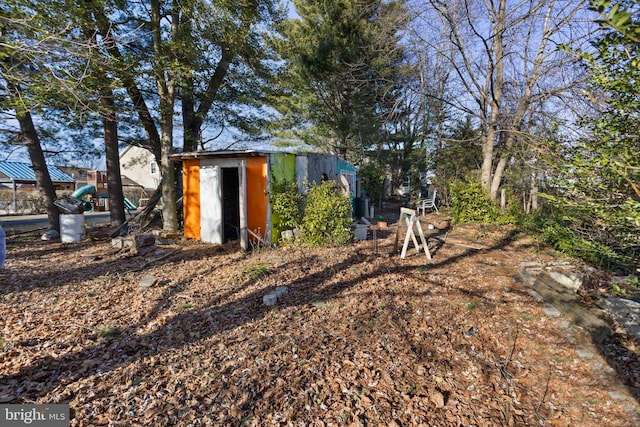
[410,218]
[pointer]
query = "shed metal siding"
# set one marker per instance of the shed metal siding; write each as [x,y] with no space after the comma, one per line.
[319,164]
[283,166]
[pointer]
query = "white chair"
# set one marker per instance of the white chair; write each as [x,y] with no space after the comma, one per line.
[427,203]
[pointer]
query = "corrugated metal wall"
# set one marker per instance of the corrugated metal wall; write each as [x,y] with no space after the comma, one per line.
[319,164]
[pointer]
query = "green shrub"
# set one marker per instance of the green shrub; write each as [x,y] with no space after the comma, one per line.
[327,216]
[576,232]
[286,204]
[472,203]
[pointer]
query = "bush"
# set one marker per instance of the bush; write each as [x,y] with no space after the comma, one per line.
[327,216]
[286,204]
[578,231]
[472,203]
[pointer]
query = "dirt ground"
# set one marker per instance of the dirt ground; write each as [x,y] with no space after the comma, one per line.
[179,336]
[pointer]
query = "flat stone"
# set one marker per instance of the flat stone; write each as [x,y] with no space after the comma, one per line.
[281,292]
[526,276]
[584,354]
[568,280]
[617,395]
[270,299]
[565,324]
[121,242]
[624,311]
[147,282]
[560,264]
[530,265]
[536,295]
[551,311]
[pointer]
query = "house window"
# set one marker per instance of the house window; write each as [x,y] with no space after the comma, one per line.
[154,168]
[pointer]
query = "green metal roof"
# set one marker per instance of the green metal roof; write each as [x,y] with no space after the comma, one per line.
[17,171]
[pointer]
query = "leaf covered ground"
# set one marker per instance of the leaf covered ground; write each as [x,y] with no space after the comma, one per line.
[180,336]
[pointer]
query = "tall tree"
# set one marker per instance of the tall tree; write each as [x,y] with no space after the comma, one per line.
[58,78]
[504,54]
[16,51]
[112,157]
[342,63]
[225,67]
[166,82]
[31,139]
[186,48]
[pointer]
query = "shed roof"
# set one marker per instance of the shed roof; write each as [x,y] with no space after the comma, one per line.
[18,171]
[221,153]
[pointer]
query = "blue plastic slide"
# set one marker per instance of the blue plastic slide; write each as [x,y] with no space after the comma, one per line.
[129,205]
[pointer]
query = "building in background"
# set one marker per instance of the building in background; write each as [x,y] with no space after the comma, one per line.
[139,165]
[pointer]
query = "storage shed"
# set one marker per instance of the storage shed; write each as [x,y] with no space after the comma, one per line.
[226,193]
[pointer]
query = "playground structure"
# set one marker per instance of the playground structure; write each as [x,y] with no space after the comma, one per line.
[80,193]
[98,201]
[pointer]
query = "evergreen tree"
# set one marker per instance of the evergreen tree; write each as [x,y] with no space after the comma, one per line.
[342,58]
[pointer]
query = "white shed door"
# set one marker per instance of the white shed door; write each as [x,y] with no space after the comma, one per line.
[210,204]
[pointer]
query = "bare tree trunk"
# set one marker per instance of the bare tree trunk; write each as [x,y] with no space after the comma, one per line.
[114,177]
[104,28]
[488,152]
[39,164]
[166,84]
[534,192]
[503,56]
[494,85]
[192,119]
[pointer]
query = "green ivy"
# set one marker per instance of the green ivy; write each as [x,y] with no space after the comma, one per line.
[327,216]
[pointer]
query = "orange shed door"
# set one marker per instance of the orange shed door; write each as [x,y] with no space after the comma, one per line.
[191,198]
[257,198]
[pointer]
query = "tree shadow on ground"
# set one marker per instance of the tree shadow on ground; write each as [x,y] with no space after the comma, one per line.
[217,316]
[115,261]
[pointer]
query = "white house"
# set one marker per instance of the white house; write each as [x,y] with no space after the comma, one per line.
[140,165]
